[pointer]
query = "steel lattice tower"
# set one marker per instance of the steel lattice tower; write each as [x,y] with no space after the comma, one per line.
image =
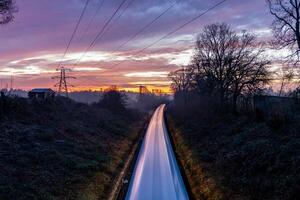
[62,84]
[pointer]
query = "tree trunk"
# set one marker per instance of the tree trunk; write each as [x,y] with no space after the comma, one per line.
[236,93]
[297,33]
[185,97]
[234,103]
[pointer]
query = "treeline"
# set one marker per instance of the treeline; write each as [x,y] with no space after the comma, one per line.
[225,66]
[118,102]
[224,155]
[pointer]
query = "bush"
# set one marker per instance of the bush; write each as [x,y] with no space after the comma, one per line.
[148,102]
[276,119]
[113,101]
[242,157]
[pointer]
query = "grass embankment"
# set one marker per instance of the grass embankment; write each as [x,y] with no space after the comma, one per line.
[60,149]
[235,157]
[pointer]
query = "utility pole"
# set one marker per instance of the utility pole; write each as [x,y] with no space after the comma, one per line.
[143,90]
[11,82]
[62,84]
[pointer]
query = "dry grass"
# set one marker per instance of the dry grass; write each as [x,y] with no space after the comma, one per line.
[236,157]
[202,183]
[62,150]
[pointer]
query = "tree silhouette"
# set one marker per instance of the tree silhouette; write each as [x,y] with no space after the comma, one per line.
[230,63]
[286,25]
[225,66]
[113,101]
[7,9]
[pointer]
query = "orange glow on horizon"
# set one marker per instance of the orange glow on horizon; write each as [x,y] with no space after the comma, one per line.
[135,89]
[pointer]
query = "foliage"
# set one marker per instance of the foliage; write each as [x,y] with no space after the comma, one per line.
[113,101]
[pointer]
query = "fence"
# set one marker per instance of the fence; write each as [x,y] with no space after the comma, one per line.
[268,105]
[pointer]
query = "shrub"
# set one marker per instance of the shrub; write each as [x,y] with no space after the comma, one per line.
[277,119]
[113,101]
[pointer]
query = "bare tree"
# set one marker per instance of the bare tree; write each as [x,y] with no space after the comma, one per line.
[286,75]
[212,58]
[7,9]
[286,26]
[232,64]
[182,81]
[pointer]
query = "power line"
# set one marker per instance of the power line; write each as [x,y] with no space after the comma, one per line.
[173,31]
[146,26]
[11,82]
[165,36]
[119,16]
[92,19]
[125,9]
[62,84]
[100,34]
[74,31]
[183,25]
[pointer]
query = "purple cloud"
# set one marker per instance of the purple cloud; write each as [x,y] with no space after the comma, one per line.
[42,29]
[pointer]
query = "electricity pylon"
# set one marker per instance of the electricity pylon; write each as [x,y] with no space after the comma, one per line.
[62,84]
[143,89]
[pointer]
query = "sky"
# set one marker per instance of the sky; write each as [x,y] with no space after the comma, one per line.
[32,46]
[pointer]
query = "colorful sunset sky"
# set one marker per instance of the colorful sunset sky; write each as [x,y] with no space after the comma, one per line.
[33,44]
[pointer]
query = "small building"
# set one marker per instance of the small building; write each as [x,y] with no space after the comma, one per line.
[41,93]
